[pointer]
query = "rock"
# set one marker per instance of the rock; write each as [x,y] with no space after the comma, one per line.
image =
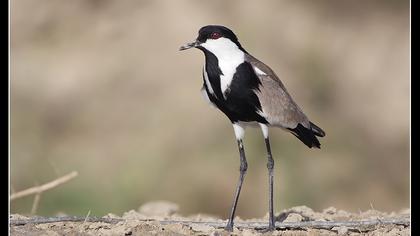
[293,217]
[341,230]
[306,212]
[215,233]
[330,211]
[158,208]
[248,232]
[134,215]
[302,209]
[201,228]
[112,216]
[18,217]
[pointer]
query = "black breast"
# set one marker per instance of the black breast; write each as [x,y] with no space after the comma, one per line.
[240,102]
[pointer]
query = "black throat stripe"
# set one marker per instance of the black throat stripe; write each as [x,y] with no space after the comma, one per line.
[241,103]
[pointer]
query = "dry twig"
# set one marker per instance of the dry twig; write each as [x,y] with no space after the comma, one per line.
[35,203]
[44,187]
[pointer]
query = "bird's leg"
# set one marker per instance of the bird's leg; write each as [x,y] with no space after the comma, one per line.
[270,167]
[242,170]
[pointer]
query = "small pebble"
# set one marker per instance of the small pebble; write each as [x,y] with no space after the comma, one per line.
[293,217]
[341,230]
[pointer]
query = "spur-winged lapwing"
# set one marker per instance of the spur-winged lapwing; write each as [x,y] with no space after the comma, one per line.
[248,92]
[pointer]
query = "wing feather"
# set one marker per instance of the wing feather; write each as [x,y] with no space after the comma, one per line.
[277,105]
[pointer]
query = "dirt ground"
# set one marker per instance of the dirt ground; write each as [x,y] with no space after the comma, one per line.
[161,218]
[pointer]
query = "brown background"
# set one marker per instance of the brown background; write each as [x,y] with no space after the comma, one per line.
[100,87]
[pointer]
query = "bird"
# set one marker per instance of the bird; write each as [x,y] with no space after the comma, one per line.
[249,93]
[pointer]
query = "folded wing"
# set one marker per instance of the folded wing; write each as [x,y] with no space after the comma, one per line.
[278,107]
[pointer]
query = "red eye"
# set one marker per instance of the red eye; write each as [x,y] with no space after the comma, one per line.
[215,35]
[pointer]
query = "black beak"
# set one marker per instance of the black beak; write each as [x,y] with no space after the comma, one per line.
[189,45]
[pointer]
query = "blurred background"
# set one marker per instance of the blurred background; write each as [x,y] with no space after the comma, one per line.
[99,87]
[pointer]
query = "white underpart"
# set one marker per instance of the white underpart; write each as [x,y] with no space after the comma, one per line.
[239,131]
[229,56]
[258,71]
[264,129]
[206,79]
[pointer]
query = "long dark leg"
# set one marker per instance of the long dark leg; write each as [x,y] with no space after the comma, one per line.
[242,169]
[270,167]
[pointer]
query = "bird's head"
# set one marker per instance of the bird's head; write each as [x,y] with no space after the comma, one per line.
[214,37]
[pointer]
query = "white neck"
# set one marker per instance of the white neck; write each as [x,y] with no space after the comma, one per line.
[229,56]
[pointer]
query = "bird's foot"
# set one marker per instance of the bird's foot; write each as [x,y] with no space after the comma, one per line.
[271,227]
[229,226]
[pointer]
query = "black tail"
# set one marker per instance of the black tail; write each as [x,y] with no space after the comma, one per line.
[307,136]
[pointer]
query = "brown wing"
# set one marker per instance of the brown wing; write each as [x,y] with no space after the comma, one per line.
[277,105]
